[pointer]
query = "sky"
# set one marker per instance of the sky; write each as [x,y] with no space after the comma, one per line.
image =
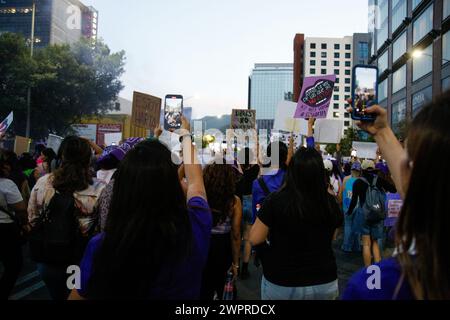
[205,49]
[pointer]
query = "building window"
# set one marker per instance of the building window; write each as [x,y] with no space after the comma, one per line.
[337,80]
[337,46]
[348,89]
[323,71]
[312,45]
[336,63]
[347,97]
[337,55]
[398,113]
[446,9]
[323,54]
[336,114]
[347,115]
[323,63]
[420,99]
[336,106]
[348,47]
[323,46]
[336,71]
[312,63]
[348,63]
[348,80]
[363,51]
[336,89]
[383,19]
[423,65]
[383,62]
[312,54]
[446,84]
[446,47]
[348,55]
[399,79]
[312,71]
[348,72]
[415,3]
[398,13]
[336,97]
[423,24]
[399,47]
[347,123]
[382,90]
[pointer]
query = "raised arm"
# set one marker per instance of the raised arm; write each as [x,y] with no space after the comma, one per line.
[310,143]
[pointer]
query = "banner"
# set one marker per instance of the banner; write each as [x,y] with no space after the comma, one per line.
[328,131]
[315,97]
[54,142]
[103,129]
[146,111]
[4,125]
[21,145]
[365,150]
[243,119]
[113,139]
[285,121]
[88,131]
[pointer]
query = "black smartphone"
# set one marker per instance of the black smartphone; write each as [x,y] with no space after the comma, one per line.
[173,111]
[364,91]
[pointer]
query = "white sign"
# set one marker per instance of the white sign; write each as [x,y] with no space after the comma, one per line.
[113,138]
[4,125]
[365,150]
[284,119]
[54,142]
[328,131]
[88,131]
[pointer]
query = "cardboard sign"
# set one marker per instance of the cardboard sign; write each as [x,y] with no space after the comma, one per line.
[103,129]
[21,145]
[4,125]
[146,111]
[315,97]
[394,205]
[113,139]
[365,150]
[54,142]
[328,131]
[243,119]
[285,121]
[88,131]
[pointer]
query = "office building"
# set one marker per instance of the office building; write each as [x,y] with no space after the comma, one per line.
[269,83]
[57,21]
[411,47]
[326,56]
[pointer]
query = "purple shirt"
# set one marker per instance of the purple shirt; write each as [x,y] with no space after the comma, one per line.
[175,282]
[390,275]
[273,182]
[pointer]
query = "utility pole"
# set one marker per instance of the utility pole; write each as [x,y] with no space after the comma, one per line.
[33,20]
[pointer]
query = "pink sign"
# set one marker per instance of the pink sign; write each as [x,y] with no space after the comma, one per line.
[315,97]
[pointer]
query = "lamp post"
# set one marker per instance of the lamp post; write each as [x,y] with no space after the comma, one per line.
[33,20]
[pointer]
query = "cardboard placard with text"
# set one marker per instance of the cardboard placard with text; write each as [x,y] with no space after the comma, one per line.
[21,145]
[243,119]
[285,121]
[315,97]
[146,111]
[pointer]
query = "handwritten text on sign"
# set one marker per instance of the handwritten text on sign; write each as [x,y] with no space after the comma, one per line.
[243,119]
[315,97]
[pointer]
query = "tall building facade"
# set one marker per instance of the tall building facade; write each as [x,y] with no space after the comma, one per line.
[269,83]
[325,56]
[57,21]
[411,47]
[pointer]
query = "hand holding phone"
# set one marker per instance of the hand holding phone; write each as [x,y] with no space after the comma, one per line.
[364,92]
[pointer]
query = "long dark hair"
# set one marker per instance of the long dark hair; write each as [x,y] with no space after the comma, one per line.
[16,175]
[147,228]
[306,185]
[425,217]
[73,174]
[220,185]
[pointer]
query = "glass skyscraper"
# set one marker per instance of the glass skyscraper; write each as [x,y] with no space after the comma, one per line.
[270,83]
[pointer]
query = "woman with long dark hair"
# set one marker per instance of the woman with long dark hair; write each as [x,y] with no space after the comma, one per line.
[70,183]
[13,171]
[156,238]
[299,222]
[420,267]
[226,232]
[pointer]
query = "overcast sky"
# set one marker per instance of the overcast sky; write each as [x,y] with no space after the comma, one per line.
[206,48]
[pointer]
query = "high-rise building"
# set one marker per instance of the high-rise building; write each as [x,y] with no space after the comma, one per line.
[411,47]
[326,56]
[57,21]
[269,83]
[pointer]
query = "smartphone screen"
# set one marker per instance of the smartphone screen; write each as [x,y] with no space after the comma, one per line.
[173,110]
[365,91]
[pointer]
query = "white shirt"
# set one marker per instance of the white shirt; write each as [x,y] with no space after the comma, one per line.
[9,194]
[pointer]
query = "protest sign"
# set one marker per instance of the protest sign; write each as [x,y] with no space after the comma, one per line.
[243,119]
[103,129]
[315,97]
[21,145]
[394,205]
[54,142]
[88,131]
[365,150]
[328,131]
[113,138]
[285,121]
[146,111]
[4,125]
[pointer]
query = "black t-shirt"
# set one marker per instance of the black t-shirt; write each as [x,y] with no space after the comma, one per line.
[245,183]
[300,252]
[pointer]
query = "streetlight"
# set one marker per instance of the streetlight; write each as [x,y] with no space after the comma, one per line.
[419,53]
[33,20]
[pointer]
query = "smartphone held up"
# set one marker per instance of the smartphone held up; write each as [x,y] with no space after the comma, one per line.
[173,111]
[364,92]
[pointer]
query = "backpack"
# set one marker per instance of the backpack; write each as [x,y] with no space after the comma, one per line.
[374,208]
[56,238]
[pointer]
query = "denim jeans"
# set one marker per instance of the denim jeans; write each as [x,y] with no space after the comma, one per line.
[351,241]
[270,291]
[55,279]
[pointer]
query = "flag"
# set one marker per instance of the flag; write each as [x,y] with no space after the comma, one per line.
[4,125]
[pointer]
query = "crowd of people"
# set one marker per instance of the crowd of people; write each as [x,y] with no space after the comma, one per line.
[141,226]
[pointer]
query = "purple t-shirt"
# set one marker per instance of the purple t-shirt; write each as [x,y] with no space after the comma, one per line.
[390,274]
[176,282]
